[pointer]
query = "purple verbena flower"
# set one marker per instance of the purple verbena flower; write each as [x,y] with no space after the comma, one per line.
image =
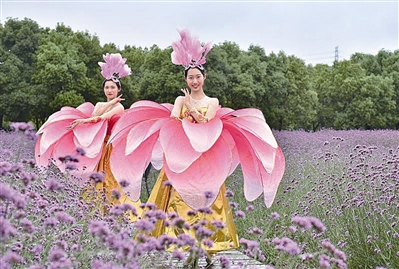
[6,229]
[53,184]
[240,214]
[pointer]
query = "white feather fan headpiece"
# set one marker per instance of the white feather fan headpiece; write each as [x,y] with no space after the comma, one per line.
[188,51]
[114,67]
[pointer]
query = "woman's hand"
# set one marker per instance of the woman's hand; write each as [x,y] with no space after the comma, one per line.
[116,100]
[187,100]
[75,123]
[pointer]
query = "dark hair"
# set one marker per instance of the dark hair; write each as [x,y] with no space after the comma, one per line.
[118,83]
[201,70]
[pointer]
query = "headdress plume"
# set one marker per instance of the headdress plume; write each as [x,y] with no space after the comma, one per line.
[115,66]
[188,50]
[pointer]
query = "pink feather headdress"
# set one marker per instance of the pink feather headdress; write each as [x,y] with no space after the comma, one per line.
[114,67]
[188,51]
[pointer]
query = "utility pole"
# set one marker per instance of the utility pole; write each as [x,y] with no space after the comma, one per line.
[336,53]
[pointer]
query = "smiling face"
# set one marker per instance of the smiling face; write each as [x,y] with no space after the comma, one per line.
[111,90]
[195,79]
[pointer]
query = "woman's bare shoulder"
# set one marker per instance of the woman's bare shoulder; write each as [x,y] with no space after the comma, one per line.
[213,101]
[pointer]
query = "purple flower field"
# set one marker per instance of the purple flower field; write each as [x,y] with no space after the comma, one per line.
[337,207]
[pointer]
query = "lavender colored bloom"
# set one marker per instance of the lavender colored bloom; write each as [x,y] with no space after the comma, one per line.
[240,214]
[6,229]
[229,193]
[99,228]
[75,247]
[191,213]
[51,222]
[207,243]
[37,266]
[178,255]
[287,245]
[250,208]
[61,244]
[57,254]
[27,177]
[249,244]
[156,214]
[64,217]
[144,225]
[292,229]
[224,261]
[340,254]
[317,224]
[218,224]
[255,230]
[37,249]
[116,210]
[12,257]
[205,210]
[203,232]
[116,194]
[6,192]
[209,195]
[124,183]
[324,261]
[80,151]
[19,200]
[178,222]
[53,185]
[19,214]
[27,225]
[275,215]
[167,183]
[58,259]
[21,126]
[166,240]
[97,177]
[71,167]
[307,257]
[185,239]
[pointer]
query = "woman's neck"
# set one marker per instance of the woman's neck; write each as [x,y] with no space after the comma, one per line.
[197,96]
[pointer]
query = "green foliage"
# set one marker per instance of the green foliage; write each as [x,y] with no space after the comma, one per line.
[50,64]
[67,98]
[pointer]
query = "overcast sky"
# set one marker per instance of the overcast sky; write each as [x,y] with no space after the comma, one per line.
[310,30]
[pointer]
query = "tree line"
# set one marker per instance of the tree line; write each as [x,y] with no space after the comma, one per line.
[43,69]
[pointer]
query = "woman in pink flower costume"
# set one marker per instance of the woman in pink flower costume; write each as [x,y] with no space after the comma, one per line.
[85,131]
[201,144]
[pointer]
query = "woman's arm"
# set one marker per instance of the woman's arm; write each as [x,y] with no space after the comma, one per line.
[213,105]
[101,108]
[117,109]
[177,107]
[212,108]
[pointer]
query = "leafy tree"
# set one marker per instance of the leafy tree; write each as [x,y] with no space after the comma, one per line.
[356,100]
[368,62]
[289,101]
[390,68]
[374,106]
[59,69]
[22,38]
[67,98]
[11,68]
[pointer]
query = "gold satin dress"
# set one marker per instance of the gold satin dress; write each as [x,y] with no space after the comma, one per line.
[168,199]
[103,190]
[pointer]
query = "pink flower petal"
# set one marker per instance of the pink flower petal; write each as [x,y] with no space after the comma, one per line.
[206,174]
[203,136]
[130,168]
[179,153]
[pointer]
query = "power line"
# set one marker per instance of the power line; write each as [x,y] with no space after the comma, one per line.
[336,53]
